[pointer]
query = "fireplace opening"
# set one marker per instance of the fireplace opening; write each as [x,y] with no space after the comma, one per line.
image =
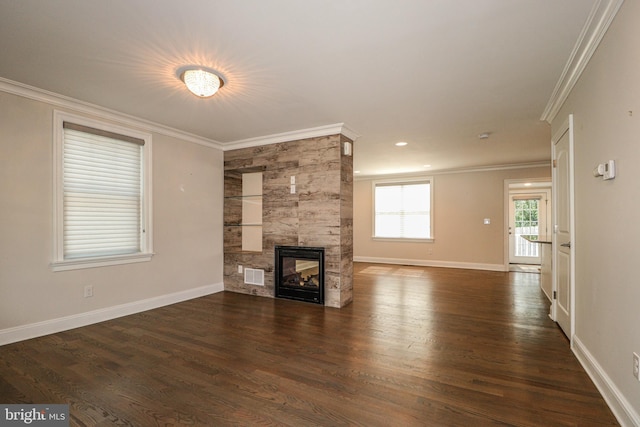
[299,273]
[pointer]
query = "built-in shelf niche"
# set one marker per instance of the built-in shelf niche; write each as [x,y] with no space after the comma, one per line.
[252,212]
[243,210]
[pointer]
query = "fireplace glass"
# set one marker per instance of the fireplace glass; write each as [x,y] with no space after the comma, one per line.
[299,273]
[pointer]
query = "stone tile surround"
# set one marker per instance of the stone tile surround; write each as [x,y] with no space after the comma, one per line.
[319,214]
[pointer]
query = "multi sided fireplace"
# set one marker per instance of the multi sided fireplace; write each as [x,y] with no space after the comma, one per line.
[299,273]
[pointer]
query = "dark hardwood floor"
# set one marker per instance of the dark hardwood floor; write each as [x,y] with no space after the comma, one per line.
[418,346]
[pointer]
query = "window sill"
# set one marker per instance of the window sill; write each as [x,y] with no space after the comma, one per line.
[402,239]
[77,264]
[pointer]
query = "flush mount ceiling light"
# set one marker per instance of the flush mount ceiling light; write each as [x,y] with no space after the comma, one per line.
[201,81]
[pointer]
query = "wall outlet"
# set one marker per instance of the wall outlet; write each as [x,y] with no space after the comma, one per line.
[240,269]
[88,291]
[636,366]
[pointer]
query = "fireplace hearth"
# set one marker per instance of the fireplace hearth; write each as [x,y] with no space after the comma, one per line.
[299,273]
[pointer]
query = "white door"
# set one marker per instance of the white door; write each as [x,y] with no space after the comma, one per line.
[527,217]
[563,227]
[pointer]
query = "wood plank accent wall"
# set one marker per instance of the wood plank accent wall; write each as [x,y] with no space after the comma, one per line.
[319,214]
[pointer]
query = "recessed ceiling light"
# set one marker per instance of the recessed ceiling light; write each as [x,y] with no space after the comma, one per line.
[356,171]
[426,166]
[484,135]
[200,81]
[527,184]
[401,144]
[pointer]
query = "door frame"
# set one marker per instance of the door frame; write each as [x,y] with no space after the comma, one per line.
[505,225]
[567,127]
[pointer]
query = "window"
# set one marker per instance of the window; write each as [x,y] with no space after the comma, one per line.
[402,209]
[102,194]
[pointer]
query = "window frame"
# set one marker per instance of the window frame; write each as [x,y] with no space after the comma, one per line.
[59,263]
[403,181]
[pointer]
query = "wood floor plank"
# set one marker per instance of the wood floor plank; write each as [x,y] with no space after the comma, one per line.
[418,346]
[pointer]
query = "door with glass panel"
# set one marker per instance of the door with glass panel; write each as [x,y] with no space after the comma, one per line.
[527,217]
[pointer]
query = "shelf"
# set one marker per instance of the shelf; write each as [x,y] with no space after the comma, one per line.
[250,196]
[243,210]
[238,172]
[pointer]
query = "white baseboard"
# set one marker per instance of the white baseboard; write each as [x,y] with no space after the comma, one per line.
[431,263]
[619,405]
[33,330]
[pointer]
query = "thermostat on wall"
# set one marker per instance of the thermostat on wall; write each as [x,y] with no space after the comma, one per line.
[609,170]
[605,170]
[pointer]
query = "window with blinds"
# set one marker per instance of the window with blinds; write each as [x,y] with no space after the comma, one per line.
[102,211]
[102,194]
[402,210]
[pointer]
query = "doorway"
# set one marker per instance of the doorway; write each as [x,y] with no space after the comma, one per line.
[528,216]
[528,209]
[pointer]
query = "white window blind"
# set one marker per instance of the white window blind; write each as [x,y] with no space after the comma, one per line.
[402,210]
[102,193]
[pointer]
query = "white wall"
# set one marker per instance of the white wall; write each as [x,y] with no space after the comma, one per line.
[461,202]
[187,199]
[606,107]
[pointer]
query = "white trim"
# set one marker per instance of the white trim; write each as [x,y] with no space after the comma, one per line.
[33,330]
[78,264]
[334,129]
[492,168]
[77,106]
[401,239]
[622,409]
[431,263]
[592,33]
[61,101]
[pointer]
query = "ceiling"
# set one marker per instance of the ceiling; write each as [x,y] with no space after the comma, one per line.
[433,73]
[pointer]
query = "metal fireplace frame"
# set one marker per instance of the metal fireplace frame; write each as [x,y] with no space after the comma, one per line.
[295,293]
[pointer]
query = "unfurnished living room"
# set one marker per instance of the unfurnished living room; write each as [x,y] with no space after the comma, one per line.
[319,212]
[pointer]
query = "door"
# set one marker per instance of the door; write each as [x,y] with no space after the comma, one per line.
[563,228]
[527,217]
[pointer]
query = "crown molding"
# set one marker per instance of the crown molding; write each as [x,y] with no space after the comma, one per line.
[57,100]
[596,26]
[334,129]
[543,164]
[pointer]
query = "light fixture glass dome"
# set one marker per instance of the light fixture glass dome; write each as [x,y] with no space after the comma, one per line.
[201,82]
